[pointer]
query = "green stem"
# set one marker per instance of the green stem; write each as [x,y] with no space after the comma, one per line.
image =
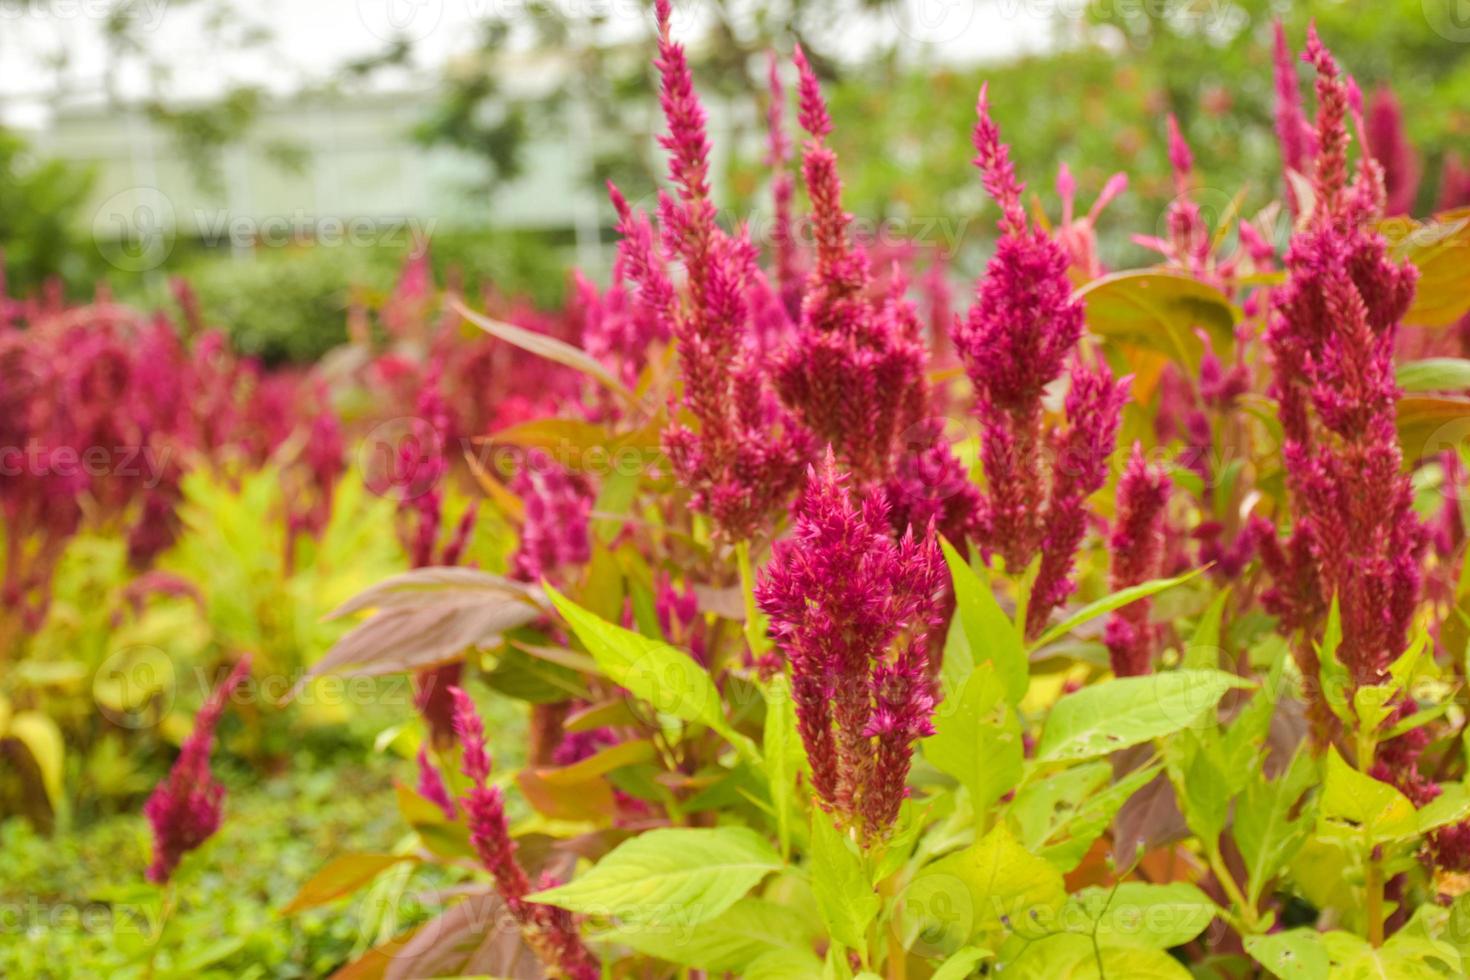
[755,622]
[1227,881]
[1373,886]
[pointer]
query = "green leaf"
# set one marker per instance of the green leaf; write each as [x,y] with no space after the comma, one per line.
[781,753]
[1272,821]
[1434,374]
[1336,684]
[1198,771]
[993,887]
[1108,603]
[341,876]
[845,898]
[1451,806]
[989,633]
[783,965]
[1297,954]
[1355,804]
[688,874]
[1203,650]
[1062,814]
[1067,956]
[667,678]
[1139,914]
[42,739]
[1160,311]
[962,963]
[977,738]
[747,931]
[1128,710]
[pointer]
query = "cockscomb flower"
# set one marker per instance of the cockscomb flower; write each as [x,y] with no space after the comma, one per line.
[1078,234]
[558,506]
[854,370]
[184,810]
[851,610]
[1297,138]
[745,457]
[1137,548]
[1386,140]
[431,785]
[783,236]
[1094,408]
[930,486]
[1015,343]
[549,931]
[1454,183]
[1331,342]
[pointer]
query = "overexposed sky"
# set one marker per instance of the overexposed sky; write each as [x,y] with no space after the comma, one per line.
[311,39]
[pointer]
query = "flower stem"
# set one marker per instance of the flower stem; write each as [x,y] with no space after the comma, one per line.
[755,621]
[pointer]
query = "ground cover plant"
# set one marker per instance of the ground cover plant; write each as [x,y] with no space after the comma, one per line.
[1100,623]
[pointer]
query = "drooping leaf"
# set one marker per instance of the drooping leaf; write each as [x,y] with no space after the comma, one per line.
[695,873]
[1434,374]
[1160,310]
[664,676]
[424,618]
[548,347]
[341,876]
[43,742]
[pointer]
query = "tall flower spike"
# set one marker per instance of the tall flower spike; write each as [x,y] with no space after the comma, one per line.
[1137,548]
[1094,408]
[547,930]
[1390,146]
[1331,342]
[783,237]
[1014,343]
[184,810]
[851,609]
[1294,134]
[745,457]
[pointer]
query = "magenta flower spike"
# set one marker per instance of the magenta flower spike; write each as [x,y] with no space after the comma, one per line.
[1294,133]
[1389,144]
[851,609]
[1137,546]
[1331,342]
[854,371]
[1014,344]
[185,809]
[549,931]
[742,456]
[783,236]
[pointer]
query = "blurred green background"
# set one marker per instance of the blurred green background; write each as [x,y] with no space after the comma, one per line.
[497,146]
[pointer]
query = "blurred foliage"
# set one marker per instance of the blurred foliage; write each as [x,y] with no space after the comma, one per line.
[42,218]
[903,136]
[290,304]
